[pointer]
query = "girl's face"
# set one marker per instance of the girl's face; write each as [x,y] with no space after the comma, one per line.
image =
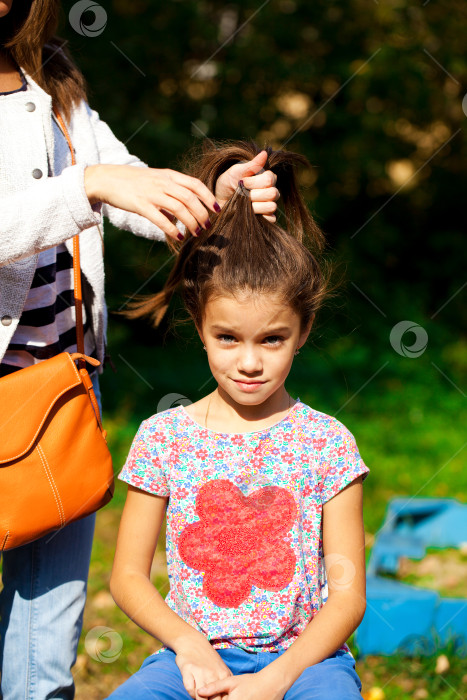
[250,341]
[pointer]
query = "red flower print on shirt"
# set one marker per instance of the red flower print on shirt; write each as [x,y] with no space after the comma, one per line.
[180,493]
[238,541]
[237,440]
[257,462]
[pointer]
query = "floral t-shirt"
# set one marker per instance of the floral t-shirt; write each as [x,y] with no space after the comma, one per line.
[244,534]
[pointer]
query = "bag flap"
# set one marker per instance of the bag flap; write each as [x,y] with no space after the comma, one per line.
[26,398]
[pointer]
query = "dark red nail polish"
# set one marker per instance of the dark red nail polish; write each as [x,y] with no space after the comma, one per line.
[240,183]
[180,237]
[207,224]
[216,207]
[198,231]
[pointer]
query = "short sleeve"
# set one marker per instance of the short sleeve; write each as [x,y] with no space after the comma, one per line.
[144,468]
[340,462]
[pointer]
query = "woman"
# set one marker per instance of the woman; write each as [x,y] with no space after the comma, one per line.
[44,202]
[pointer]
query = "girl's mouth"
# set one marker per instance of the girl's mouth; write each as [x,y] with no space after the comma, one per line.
[248,384]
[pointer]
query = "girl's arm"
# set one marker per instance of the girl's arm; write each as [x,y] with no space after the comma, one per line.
[344,555]
[134,593]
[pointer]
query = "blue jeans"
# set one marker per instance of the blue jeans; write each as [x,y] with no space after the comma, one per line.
[159,677]
[41,611]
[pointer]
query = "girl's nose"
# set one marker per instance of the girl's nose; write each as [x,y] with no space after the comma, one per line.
[249,361]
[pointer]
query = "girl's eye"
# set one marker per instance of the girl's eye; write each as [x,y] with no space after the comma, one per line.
[225,338]
[273,340]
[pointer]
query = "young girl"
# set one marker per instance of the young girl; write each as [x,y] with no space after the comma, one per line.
[262,493]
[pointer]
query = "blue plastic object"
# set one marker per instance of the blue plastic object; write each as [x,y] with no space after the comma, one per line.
[401,618]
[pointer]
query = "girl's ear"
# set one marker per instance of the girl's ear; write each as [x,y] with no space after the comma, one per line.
[306,332]
[199,333]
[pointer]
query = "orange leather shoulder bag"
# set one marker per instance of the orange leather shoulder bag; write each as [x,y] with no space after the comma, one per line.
[55,466]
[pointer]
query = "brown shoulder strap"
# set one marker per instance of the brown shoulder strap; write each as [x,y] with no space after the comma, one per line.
[76,260]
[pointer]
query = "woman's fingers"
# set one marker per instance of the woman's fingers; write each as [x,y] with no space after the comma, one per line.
[187,207]
[264,207]
[182,213]
[255,165]
[264,194]
[271,194]
[265,180]
[171,217]
[267,209]
[141,190]
[270,218]
[157,217]
[197,187]
[161,195]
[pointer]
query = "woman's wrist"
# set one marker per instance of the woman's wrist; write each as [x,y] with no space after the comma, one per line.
[91,183]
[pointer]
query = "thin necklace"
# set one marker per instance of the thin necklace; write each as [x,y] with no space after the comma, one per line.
[209,404]
[207,411]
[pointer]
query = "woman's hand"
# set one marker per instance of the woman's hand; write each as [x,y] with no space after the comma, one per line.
[162,196]
[200,665]
[262,685]
[261,184]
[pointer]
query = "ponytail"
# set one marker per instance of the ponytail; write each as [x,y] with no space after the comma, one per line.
[242,250]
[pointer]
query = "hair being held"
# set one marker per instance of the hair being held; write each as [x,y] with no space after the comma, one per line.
[243,252]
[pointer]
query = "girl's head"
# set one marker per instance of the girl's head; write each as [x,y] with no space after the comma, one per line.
[250,339]
[251,287]
[28,36]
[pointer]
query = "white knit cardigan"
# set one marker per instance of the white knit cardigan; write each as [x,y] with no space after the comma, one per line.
[40,211]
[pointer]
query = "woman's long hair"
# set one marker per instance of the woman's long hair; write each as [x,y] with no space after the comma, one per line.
[28,36]
[242,251]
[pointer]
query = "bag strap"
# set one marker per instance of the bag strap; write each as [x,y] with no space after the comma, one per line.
[79,355]
[76,261]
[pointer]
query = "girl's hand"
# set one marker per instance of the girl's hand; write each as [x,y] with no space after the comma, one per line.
[261,184]
[248,686]
[159,195]
[201,665]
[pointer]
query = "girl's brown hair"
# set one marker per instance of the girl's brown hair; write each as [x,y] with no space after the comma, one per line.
[242,251]
[28,36]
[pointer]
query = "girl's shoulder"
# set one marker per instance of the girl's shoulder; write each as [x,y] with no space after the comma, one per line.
[320,424]
[334,448]
[168,421]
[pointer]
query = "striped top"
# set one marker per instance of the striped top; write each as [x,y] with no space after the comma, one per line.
[47,325]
